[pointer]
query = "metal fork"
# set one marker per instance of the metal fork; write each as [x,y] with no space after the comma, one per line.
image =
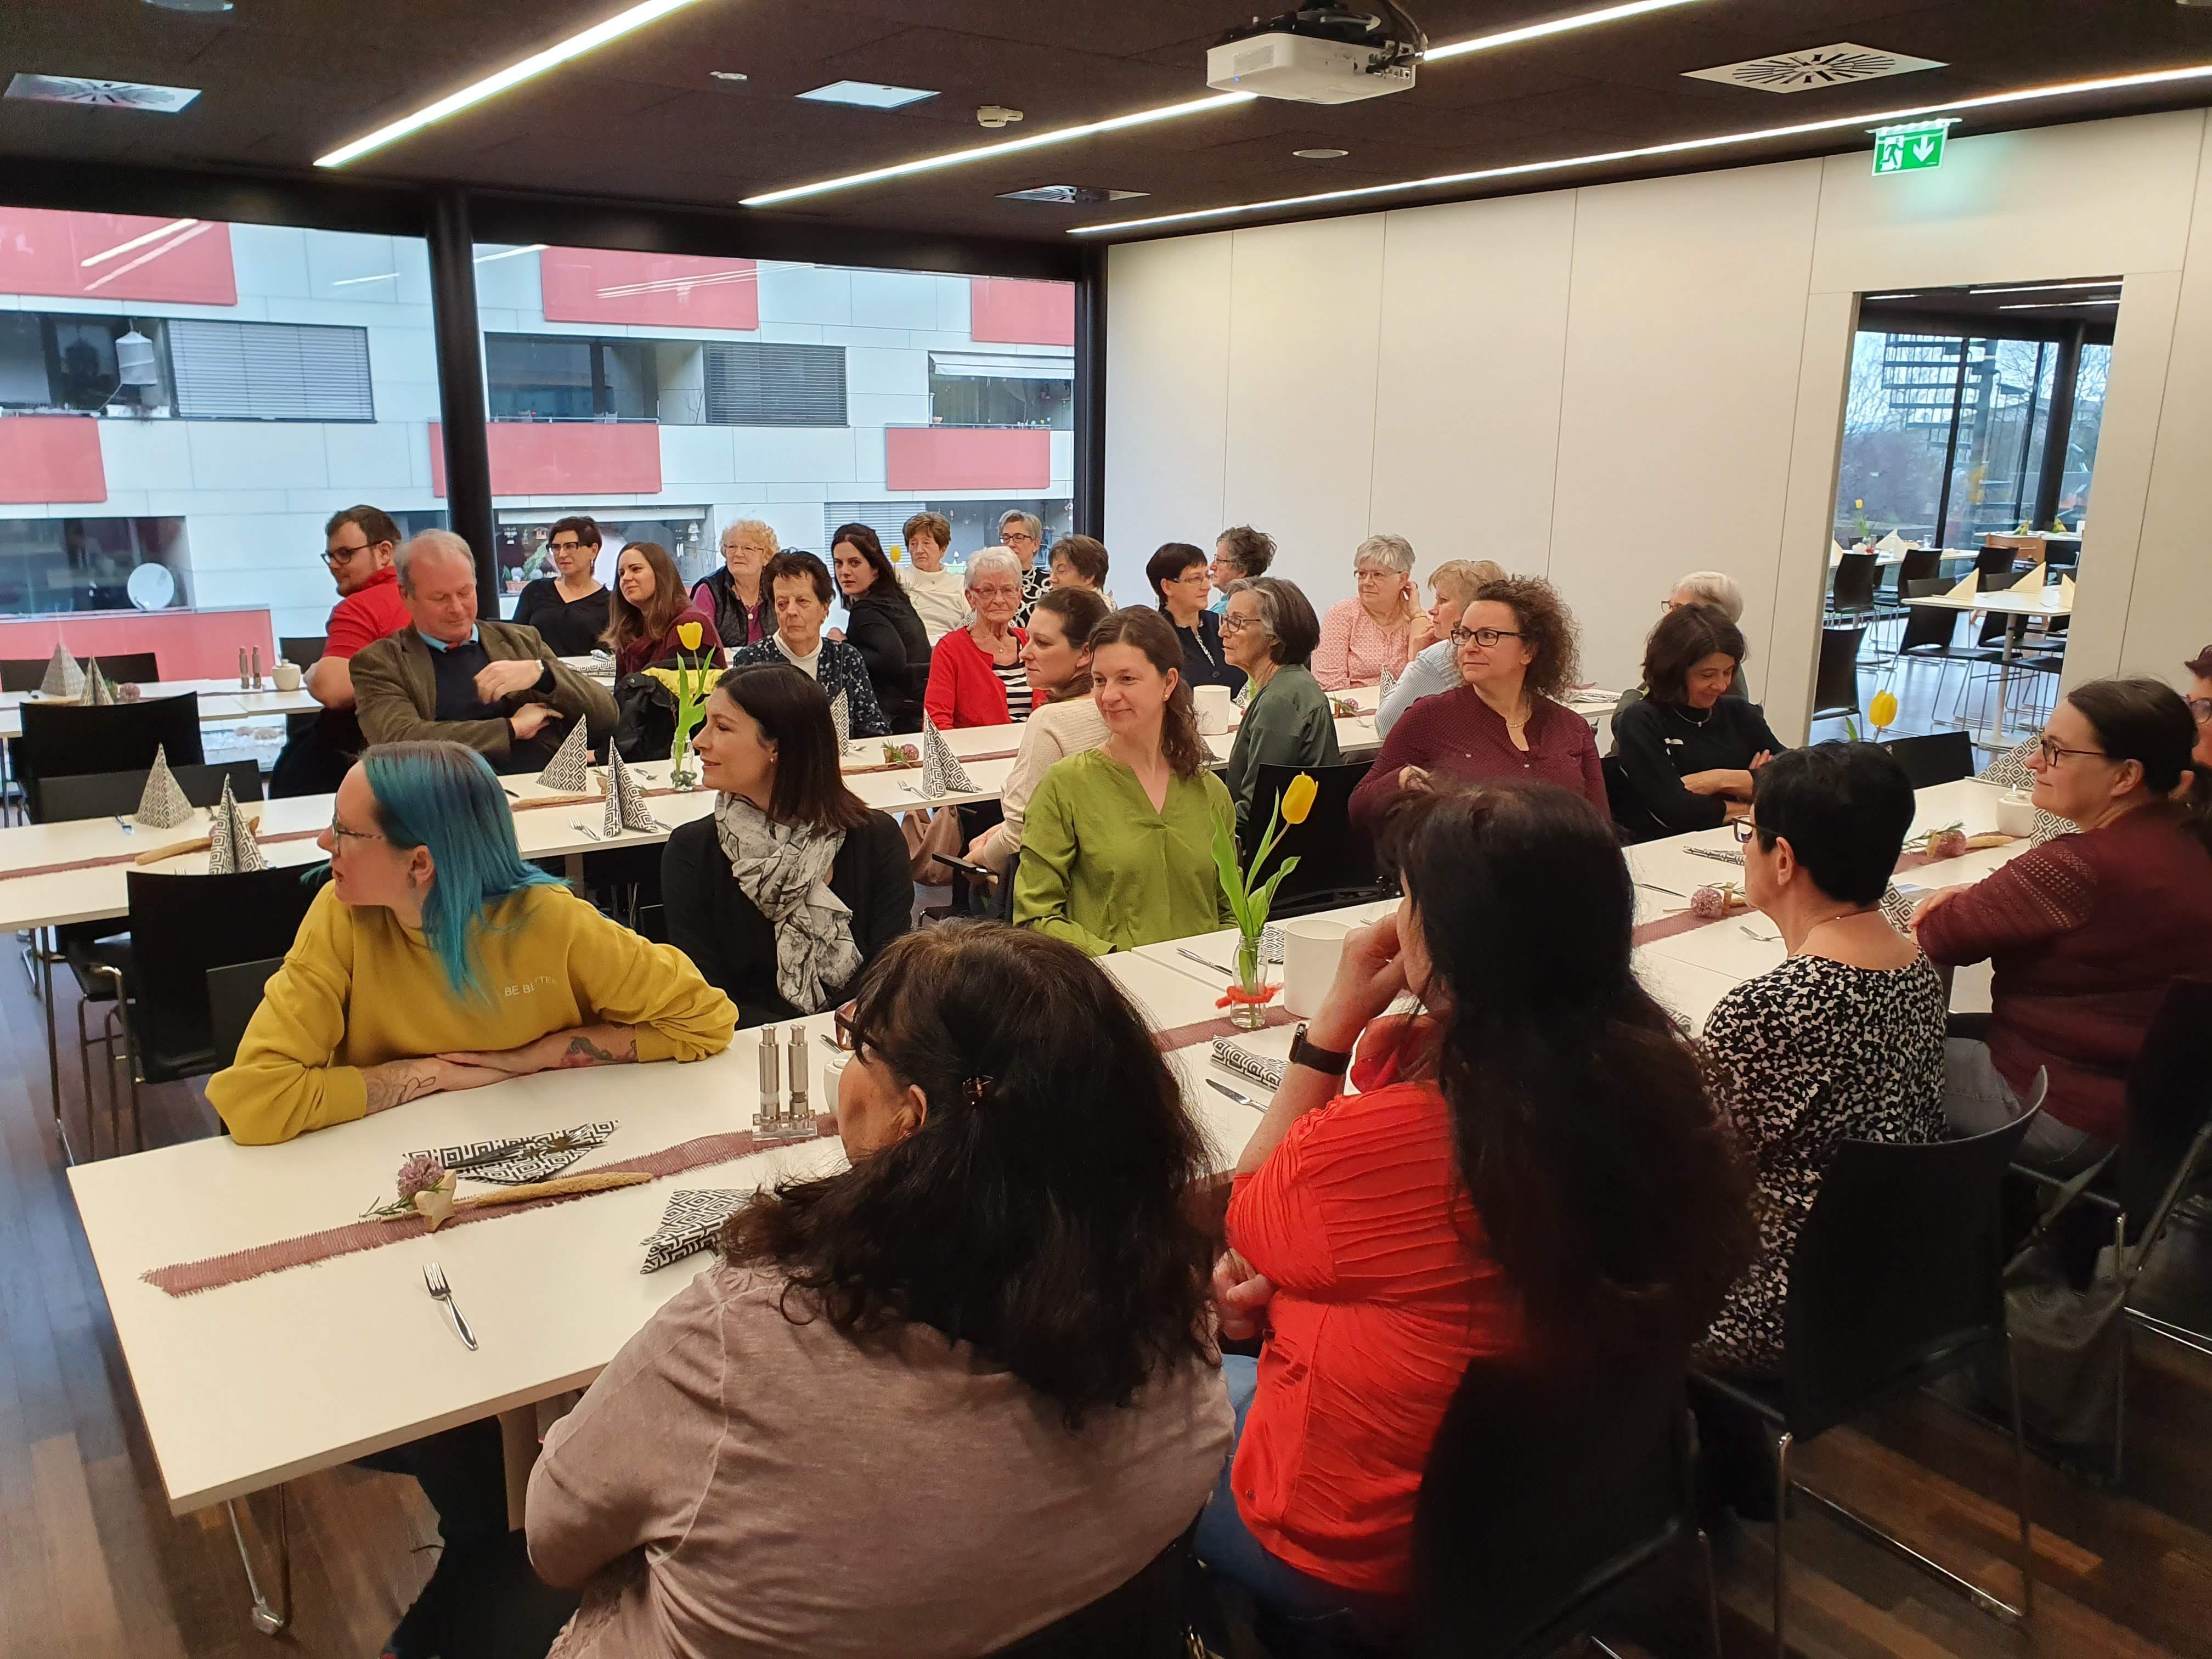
[586,829]
[434,1277]
[125,825]
[1763,939]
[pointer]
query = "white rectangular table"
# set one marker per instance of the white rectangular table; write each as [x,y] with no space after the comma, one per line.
[2053,601]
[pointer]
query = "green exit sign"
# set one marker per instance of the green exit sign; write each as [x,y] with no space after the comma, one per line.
[1913,149]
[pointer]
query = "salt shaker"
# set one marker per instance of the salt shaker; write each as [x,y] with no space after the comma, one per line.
[257,668]
[771,1080]
[800,1113]
[242,682]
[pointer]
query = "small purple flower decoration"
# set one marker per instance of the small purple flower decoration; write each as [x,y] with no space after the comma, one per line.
[418,1174]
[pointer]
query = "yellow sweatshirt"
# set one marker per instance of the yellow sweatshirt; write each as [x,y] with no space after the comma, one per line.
[358,988]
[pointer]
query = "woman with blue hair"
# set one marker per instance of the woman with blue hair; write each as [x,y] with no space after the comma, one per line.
[482,967]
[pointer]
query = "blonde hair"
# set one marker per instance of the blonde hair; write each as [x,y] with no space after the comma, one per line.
[1457,579]
[753,530]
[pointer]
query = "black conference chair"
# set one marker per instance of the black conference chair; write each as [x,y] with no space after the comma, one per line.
[1146,1618]
[233,993]
[183,926]
[301,649]
[1336,864]
[104,795]
[123,667]
[1851,597]
[1835,683]
[1896,1280]
[66,739]
[1547,1501]
[1996,566]
[1940,757]
[1919,564]
[1631,818]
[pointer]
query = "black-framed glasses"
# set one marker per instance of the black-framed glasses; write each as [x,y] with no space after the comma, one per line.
[335,556]
[339,832]
[566,547]
[2049,749]
[841,1022]
[1231,623]
[1743,830]
[1485,637]
[2202,708]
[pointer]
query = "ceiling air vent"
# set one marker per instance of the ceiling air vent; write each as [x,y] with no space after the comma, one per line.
[1814,68]
[1069,195]
[107,95]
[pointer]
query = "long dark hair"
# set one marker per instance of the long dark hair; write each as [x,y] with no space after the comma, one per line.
[626,623]
[1150,632]
[2148,722]
[792,712]
[885,582]
[1608,1185]
[1079,611]
[1037,1213]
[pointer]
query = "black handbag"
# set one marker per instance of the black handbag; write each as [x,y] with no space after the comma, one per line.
[645,718]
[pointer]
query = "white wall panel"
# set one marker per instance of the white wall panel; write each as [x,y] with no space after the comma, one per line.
[894,299]
[256,454]
[697,454]
[369,458]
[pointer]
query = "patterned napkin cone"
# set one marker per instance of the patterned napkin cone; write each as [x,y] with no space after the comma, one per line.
[840,719]
[1384,687]
[688,1226]
[566,770]
[2009,770]
[2048,825]
[626,807]
[63,677]
[1258,1068]
[941,771]
[540,1157]
[97,687]
[1897,908]
[1242,697]
[232,849]
[163,807]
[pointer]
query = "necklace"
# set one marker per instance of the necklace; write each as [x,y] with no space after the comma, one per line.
[1684,715]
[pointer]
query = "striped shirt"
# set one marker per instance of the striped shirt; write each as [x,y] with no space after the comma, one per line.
[1016,683]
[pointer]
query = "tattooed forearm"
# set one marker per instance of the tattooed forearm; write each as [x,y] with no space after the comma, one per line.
[396,1082]
[599,1045]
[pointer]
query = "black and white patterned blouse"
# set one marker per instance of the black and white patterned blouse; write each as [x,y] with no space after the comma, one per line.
[839,668]
[1811,1054]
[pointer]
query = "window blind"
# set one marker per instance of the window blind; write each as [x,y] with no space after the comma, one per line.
[754,384]
[270,371]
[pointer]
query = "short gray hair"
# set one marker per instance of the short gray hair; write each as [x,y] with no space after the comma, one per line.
[1384,552]
[1715,588]
[431,542]
[1029,521]
[992,561]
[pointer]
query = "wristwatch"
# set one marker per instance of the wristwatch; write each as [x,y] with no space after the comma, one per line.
[1329,1062]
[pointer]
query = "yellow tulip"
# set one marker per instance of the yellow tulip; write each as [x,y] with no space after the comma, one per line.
[1860,504]
[1299,799]
[1882,711]
[690,634]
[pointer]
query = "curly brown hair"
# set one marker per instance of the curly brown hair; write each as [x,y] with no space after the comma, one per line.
[1547,628]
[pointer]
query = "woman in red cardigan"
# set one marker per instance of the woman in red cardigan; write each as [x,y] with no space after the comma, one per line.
[2085,931]
[1530,1174]
[975,676]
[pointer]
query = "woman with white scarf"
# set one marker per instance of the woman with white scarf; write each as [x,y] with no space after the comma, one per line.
[793,885]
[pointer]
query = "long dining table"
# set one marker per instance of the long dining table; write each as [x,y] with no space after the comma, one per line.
[250,1375]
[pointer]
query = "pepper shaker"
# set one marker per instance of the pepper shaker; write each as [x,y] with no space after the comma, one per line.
[257,668]
[242,668]
[799,1115]
[771,1081]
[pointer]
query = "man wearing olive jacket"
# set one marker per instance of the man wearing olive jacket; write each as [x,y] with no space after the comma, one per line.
[495,686]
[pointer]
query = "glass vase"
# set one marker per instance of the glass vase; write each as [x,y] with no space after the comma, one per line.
[683,764]
[1252,982]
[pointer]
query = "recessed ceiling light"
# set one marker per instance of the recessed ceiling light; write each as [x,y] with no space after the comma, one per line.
[2057,305]
[728,75]
[211,7]
[1678,146]
[1068,195]
[105,94]
[475,92]
[2044,287]
[1537,31]
[1319,154]
[866,94]
[1893,296]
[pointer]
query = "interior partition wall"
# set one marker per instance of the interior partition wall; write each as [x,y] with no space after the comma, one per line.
[196,370]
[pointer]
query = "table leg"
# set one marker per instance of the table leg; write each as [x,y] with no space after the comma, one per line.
[269,1621]
[1998,741]
[45,943]
[517,1445]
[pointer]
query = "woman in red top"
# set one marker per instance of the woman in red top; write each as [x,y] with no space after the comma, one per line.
[1516,655]
[975,676]
[2084,933]
[1530,1174]
[647,607]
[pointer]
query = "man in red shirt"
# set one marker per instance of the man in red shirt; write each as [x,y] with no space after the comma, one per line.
[359,542]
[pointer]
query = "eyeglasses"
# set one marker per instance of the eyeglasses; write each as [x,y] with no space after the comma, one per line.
[1743,830]
[566,546]
[337,556]
[1009,536]
[339,832]
[1235,625]
[2049,749]
[2202,708]
[841,1023]
[1485,637]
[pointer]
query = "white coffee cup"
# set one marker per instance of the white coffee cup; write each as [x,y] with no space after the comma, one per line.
[1311,946]
[286,676]
[1214,707]
[2016,813]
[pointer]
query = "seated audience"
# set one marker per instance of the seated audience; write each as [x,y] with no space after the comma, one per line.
[1529,1173]
[799,583]
[1065,720]
[975,676]
[1022,534]
[1689,748]
[792,886]
[1713,589]
[1844,1040]
[570,609]
[1435,666]
[939,596]
[430,903]
[2085,931]
[647,606]
[882,625]
[1079,562]
[1117,842]
[937,1400]
[1518,647]
[1373,630]
[1176,575]
[736,596]
[492,686]
[1238,552]
[358,544]
[1269,632]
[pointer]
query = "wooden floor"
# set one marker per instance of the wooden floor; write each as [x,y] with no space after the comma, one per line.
[93,1565]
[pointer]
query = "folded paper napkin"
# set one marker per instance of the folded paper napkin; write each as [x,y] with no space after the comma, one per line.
[1720,854]
[539,1159]
[1267,1074]
[1271,943]
[688,1226]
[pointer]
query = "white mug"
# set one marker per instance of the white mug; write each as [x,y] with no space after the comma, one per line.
[286,676]
[2016,813]
[1311,947]
[1213,706]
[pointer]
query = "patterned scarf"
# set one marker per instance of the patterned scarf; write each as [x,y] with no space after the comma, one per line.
[785,871]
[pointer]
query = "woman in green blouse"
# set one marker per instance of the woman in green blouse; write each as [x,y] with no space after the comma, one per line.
[1270,631]
[1117,847]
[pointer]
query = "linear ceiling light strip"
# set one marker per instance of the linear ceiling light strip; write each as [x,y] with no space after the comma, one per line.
[1538,31]
[1682,146]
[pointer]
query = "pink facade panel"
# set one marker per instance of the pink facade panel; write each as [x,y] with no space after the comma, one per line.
[116,256]
[1010,311]
[50,458]
[678,290]
[187,645]
[967,458]
[563,457]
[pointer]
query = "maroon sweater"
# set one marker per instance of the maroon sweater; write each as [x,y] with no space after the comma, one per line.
[2084,933]
[1455,734]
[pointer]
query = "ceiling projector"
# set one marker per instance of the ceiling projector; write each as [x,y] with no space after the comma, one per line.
[1328,53]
